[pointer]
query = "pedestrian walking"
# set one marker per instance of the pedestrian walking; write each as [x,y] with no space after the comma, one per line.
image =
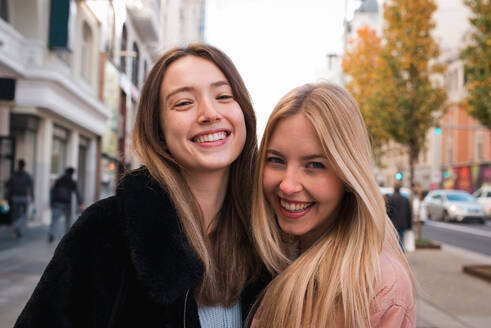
[400,213]
[319,220]
[173,247]
[61,201]
[18,190]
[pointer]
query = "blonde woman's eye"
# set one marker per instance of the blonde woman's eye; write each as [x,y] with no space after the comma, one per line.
[316,165]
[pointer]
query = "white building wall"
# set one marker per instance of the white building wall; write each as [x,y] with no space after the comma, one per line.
[181,22]
[43,169]
[51,87]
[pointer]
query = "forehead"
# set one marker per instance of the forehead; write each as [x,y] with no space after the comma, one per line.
[190,71]
[295,134]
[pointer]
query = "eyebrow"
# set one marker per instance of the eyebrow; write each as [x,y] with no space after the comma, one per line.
[189,89]
[305,158]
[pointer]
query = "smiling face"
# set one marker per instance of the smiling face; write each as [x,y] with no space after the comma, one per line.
[203,125]
[297,181]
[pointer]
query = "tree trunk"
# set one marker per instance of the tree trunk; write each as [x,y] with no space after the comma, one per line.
[416,220]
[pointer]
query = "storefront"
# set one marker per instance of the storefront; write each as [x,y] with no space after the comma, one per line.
[467,177]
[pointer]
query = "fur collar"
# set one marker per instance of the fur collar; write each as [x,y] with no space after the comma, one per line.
[164,262]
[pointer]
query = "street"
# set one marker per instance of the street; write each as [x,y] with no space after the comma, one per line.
[471,236]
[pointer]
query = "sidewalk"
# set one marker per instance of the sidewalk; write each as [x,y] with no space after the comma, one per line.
[21,263]
[448,298]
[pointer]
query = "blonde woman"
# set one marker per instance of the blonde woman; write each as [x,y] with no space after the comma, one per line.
[172,248]
[319,220]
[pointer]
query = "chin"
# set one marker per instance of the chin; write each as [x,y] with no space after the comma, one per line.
[292,229]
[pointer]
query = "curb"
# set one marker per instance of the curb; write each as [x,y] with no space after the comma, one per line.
[474,256]
[479,271]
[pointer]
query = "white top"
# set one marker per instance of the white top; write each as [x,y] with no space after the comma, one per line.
[220,316]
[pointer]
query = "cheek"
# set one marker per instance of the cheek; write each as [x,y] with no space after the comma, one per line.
[269,183]
[330,187]
[239,122]
[175,124]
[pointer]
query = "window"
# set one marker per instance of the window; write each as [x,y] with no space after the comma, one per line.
[58,151]
[479,146]
[86,52]
[145,70]
[449,147]
[134,64]
[4,10]
[123,54]
[83,147]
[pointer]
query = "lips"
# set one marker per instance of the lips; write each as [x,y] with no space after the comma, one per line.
[294,209]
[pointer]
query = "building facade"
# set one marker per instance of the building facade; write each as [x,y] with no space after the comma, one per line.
[457,151]
[53,117]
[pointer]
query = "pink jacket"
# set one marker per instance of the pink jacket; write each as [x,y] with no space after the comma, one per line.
[393,306]
[394,303]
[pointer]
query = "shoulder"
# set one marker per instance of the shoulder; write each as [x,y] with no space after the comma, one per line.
[394,293]
[96,222]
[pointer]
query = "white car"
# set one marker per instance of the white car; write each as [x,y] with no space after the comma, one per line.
[449,205]
[483,196]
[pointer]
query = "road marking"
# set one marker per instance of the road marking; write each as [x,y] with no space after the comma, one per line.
[459,229]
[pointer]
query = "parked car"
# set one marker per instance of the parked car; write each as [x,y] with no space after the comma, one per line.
[447,205]
[483,196]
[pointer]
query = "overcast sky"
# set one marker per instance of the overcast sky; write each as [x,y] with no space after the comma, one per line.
[276,44]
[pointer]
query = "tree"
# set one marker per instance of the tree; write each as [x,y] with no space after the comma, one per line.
[477,59]
[409,100]
[363,64]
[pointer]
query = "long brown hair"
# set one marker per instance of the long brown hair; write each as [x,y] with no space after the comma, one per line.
[333,280]
[227,251]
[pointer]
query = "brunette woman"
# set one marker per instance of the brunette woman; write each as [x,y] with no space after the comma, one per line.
[172,248]
[319,220]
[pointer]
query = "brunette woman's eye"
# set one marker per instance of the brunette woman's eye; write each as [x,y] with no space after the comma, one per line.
[225,97]
[316,165]
[182,103]
[274,160]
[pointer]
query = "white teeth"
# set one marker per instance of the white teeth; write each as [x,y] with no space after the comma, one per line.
[294,207]
[212,137]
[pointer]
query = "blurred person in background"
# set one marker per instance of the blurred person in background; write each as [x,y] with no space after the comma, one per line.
[173,247]
[319,220]
[61,201]
[18,190]
[418,210]
[400,213]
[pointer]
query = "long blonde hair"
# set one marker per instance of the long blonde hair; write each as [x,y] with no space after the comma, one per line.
[333,280]
[226,252]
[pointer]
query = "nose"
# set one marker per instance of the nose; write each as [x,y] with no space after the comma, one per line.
[291,183]
[207,112]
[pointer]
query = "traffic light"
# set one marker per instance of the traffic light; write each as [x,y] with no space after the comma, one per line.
[398,176]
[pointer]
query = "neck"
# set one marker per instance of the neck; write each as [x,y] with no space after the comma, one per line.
[305,242]
[308,239]
[209,188]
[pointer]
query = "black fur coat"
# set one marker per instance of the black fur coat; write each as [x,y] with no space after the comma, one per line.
[124,263]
